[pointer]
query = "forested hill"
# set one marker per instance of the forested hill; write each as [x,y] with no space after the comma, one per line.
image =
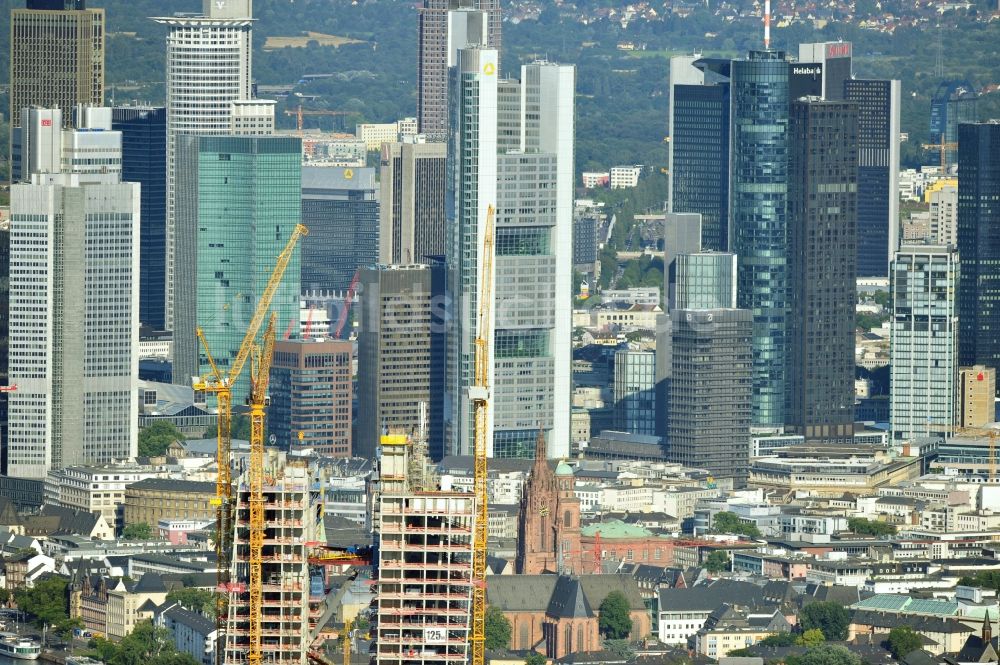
[622,93]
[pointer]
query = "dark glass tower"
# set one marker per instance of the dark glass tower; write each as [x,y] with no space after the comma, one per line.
[954,103]
[699,135]
[341,212]
[144,160]
[822,213]
[979,244]
[759,199]
[878,172]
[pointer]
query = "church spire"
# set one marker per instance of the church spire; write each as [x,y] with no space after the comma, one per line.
[987,628]
[541,450]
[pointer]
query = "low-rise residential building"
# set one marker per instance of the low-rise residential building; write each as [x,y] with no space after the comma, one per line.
[731,627]
[683,612]
[150,500]
[623,177]
[193,633]
[94,489]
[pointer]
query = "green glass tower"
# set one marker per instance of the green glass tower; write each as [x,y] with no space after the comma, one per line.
[239,198]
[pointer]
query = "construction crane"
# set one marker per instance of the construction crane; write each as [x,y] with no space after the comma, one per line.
[347,641]
[222,387]
[348,299]
[944,147]
[259,379]
[991,435]
[479,394]
[300,112]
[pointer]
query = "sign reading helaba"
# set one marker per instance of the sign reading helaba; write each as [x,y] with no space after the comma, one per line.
[806,71]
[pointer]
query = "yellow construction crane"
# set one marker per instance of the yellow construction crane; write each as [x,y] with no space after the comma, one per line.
[479,394]
[300,112]
[347,641]
[944,147]
[259,379]
[221,385]
[991,435]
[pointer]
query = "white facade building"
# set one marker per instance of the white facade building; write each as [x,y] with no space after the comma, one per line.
[943,199]
[74,299]
[94,489]
[623,177]
[208,68]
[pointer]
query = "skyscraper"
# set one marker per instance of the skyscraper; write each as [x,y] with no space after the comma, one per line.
[954,103]
[979,244]
[835,57]
[823,185]
[710,391]
[534,261]
[144,160]
[311,396]
[923,353]
[942,195]
[635,392]
[433,59]
[208,68]
[411,205]
[228,186]
[56,57]
[879,106]
[699,145]
[471,192]
[74,298]
[341,212]
[706,280]
[759,218]
[682,234]
[401,356]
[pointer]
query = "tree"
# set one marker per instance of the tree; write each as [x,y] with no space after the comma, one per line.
[137,531]
[727,522]
[194,599]
[535,658]
[811,638]
[903,640]
[497,629]
[865,527]
[238,429]
[830,618]
[778,640]
[65,628]
[826,654]
[145,645]
[717,561]
[47,601]
[615,621]
[156,438]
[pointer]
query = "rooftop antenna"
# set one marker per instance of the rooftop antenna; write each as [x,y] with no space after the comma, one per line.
[767,24]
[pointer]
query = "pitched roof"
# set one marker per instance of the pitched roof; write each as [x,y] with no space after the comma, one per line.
[976,648]
[520,593]
[150,583]
[597,588]
[174,485]
[568,600]
[197,622]
[707,597]
[58,519]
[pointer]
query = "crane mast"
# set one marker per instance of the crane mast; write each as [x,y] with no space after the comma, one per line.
[221,385]
[480,397]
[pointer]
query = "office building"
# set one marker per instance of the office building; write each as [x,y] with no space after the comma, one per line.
[822,213]
[144,160]
[423,597]
[979,244]
[706,280]
[635,392]
[56,62]
[411,202]
[835,58]
[879,103]
[293,517]
[251,117]
[585,243]
[434,59]
[401,356]
[534,261]
[74,298]
[226,257]
[942,199]
[153,499]
[699,145]
[4,335]
[311,394]
[759,218]
[681,235]
[977,395]
[710,391]
[954,103]
[924,341]
[341,212]
[208,67]
[471,192]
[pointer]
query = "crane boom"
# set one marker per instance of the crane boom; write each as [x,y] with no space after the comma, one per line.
[480,395]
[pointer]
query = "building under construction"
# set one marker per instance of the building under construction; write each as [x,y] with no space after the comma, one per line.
[424,591]
[293,518]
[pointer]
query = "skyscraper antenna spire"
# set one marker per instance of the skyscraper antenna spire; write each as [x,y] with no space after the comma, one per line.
[767,24]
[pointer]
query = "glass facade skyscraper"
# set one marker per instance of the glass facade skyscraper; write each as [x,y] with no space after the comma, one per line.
[759,198]
[706,280]
[979,243]
[239,201]
[144,160]
[699,145]
[635,392]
